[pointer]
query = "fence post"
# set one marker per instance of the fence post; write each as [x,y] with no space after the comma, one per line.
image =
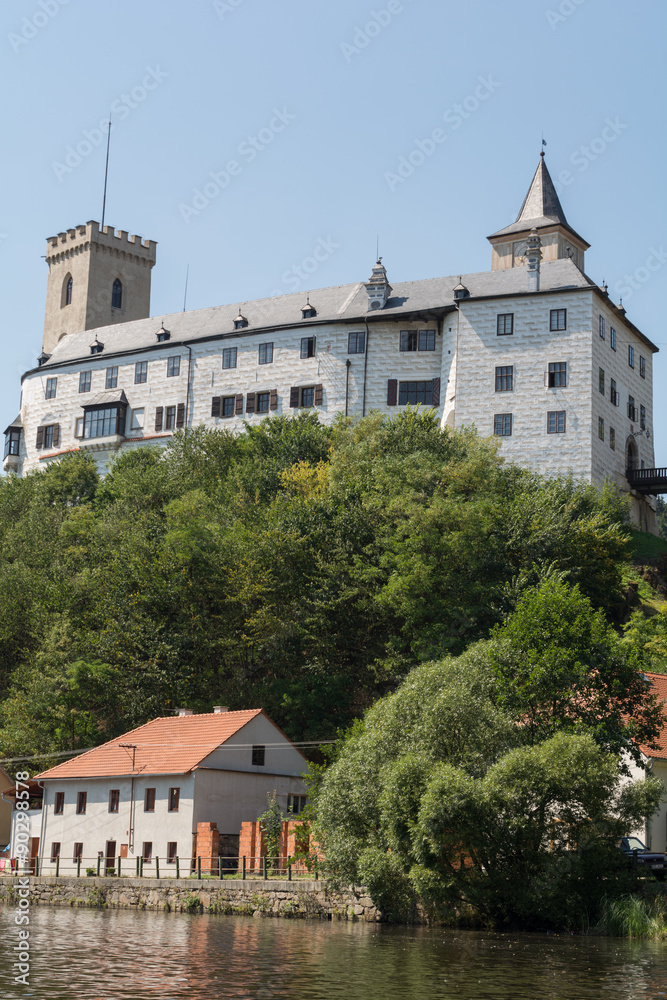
[289,869]
[316,875]
[141,867]
[243,868]
[78,867]
[118,866]
[264,875]
[98,865]
[199,866]
[57,866]
[36,865]
[178,868]
[137,873]
[157,867]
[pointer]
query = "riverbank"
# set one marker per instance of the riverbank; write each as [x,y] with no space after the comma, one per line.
[307,898]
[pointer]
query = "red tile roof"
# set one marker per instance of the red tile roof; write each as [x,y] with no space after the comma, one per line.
[658,748]
[163,746]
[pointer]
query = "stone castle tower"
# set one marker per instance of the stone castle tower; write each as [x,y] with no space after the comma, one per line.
[96,277]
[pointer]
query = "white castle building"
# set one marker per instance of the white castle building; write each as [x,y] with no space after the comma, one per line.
[531,351]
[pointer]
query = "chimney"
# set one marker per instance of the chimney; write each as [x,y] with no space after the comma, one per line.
[185,711]
[219,709]
[534,255]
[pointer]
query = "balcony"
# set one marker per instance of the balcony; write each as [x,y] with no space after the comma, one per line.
[651,481]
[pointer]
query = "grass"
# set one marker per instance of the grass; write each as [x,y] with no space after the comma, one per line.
[634,917]
[646,546]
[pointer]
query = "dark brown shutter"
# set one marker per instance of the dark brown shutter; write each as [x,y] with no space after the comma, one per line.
[294,396]
[216,403]
[436,392]
[392,388]
[158,418]
[318,395]
[40,437]
[273,405]
[180,414]
[250,402]
[238,407]
[56,435]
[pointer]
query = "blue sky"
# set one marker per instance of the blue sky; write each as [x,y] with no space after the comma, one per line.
[302,112]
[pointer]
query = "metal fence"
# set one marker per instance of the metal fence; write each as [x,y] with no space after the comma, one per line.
[215,867]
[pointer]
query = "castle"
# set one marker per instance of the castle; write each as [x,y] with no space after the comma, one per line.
[532,351]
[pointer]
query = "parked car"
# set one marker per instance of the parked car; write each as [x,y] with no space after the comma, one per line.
[638,852]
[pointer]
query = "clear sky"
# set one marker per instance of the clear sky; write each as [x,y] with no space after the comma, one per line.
[314,105]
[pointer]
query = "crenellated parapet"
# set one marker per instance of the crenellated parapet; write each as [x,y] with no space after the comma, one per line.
[82,239]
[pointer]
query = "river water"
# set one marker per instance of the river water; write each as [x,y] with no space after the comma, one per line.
[126,955]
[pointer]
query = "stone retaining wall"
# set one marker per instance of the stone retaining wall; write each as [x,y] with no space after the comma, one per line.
[254,897]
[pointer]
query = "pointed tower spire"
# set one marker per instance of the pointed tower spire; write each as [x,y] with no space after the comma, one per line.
[541,210]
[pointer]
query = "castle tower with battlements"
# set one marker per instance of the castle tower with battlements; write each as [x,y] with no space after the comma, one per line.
[97,277]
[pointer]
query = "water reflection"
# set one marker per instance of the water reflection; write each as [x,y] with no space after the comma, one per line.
[125,955]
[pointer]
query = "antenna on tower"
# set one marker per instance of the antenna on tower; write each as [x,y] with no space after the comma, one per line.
[185,293]
[377,247]
[106,174]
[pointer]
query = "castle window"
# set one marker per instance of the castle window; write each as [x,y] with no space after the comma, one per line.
[505,378]
[558,374]
[104,421]
[408,340]
[612,338]
[173,366]
[303,396]
[51,388]
[69,284]
[557,320]
[601,380]
[556,422]
[601,428]
[140,372]
[356,342]
[601,327]
[228,406]
[642,366]
[169,418]
[265,354]
[262,401]
[612,439]
[427,340]
[631,356]
[613,394]
[307,347]
[48,436]
[229,357]
[111,380]
[12,441]
[415,393]
[116,294]
[504,324]
[502,425]
[84,381]
[632,412]
[642,417]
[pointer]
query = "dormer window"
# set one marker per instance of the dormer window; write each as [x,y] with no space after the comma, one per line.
[163,335]
[96,347]
[240,322]
[116,294]
[461,292]
[308,311]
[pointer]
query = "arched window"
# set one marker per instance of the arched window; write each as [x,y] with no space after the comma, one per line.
[631,455]
[116,294]
[67,290]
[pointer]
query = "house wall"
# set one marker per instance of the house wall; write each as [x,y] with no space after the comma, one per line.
[656,828]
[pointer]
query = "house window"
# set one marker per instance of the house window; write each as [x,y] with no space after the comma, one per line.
[116,294]
[172,851]
[613,394]
[505,378]
[169,418]
[229,357]
[427,340]
[12,441]
[642,417]
[642,366]
[304,396]
[265,356]
[173,366]
[556,422]
[68,291]
[81,800]
[228,405]
[612,338]
[601,380]
[502,425]
[147,850]
[78,852]
[356,342]
[601,428]
[51,388]
[55,851]
[50,436]
[632,412]
[114,799]
[262,401]
[408,340]
[140,372]
[59,805]
[104,422]
[558,374]
[602,327]
[612,439]
[111,381]
[415,392]
[558,320]
[504,324]
[631,356]
[308,347]
[84,381]
[173,800]
[149,800]
[296,804]
[258,755]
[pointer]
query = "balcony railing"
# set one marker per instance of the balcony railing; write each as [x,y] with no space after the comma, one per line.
[651,481]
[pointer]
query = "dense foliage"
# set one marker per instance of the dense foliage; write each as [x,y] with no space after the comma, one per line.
[302,568]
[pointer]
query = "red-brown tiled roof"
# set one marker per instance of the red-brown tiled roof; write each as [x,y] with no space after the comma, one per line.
[659,688]
[163,746]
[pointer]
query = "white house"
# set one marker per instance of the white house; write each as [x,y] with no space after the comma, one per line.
[144,794]
[532,351]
